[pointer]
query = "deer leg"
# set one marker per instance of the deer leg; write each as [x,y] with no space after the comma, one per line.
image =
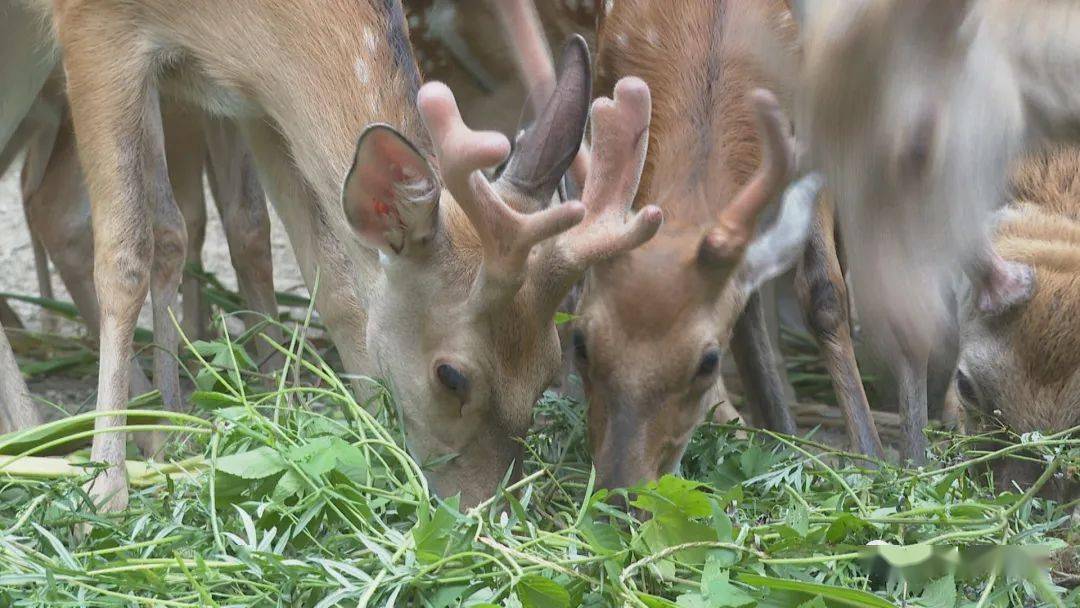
[117,119]
[909,373]
[58,213]
[39,146]
[185,149]
[17,410]
[753,352]
[822,294]
[241,203]
[324,252]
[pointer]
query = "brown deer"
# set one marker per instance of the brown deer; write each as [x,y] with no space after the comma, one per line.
[653,323]
[1021,367]
[460,285]
[915,110]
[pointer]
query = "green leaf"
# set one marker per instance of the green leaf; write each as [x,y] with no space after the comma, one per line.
[535,591]
[289,485]
[719,592]
[799,520]
[653,601]
[941,593]
[210,401]
[562,318]
[434,533]
[903,556]
[839,595]
[674,495]
[603,539]
[259,463]
[845,525]
[817,602]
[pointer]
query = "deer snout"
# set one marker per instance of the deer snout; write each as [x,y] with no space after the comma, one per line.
[622,447]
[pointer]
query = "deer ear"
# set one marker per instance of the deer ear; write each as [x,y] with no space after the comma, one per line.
[1003,286]
[545,150]
[777,249]
[391,194]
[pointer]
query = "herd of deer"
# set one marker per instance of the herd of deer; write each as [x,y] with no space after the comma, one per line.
[939,131]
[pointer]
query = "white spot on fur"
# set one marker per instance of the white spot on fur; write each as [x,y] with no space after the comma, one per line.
[369,39]
[383,258]
[361,69]
[653,37]
[622,40]
[608,5]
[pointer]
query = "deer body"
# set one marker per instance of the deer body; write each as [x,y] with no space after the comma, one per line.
[654,322]
[916,111]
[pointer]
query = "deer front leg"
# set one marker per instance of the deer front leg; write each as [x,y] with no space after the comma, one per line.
[117,120]
[822,294]
[753,352]
[185,150]
[241,203]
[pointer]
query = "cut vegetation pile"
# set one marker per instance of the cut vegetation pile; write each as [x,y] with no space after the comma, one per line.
[297,495]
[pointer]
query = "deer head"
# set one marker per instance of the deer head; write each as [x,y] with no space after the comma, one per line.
[462,324]
[654,323]
[1019,362]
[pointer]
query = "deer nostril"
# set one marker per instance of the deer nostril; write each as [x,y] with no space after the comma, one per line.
[452,379]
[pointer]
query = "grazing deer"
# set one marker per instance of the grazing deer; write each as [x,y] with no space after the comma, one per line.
[1020,367]
[460,285]
[915,111]
[653,323]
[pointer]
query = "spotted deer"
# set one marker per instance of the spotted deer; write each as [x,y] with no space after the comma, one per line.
[653,323]
[915,111]
[423,271]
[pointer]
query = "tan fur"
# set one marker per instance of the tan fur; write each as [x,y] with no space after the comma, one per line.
[1041,388]
[648,318]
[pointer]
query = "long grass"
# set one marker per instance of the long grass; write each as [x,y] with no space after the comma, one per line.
[283,490]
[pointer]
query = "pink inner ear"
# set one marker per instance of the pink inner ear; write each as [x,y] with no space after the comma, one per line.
[1007,284]
[383,160]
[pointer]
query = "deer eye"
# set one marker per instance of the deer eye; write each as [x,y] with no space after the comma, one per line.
[710,362]
[579,345]
[966,389]
[451,378]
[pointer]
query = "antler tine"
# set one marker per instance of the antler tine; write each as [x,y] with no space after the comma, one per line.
[734,228]
[620,129]
[506,236]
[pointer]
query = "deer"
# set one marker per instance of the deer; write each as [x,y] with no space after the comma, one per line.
[652,324]
[1019,369]
[423,271]
[915,112]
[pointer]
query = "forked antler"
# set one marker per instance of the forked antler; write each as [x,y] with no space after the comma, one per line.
[587,231]
[725,244]
[506,236]
[620,135]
